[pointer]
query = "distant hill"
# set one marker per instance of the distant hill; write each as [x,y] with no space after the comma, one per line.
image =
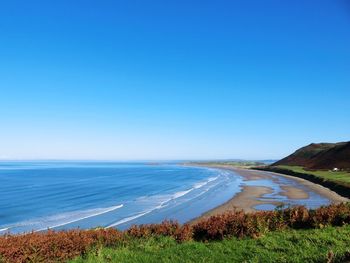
[320,156]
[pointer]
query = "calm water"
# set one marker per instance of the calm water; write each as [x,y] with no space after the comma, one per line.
[62,195]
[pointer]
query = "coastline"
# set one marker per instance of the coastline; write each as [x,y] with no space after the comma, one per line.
[251,195]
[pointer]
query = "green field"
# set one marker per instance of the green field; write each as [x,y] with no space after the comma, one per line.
[241,164]
[341,176]
[288,246]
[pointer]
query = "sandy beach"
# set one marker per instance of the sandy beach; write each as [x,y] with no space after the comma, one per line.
[251,195]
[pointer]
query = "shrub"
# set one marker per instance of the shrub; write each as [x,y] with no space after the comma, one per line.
[238,224]
[52,246]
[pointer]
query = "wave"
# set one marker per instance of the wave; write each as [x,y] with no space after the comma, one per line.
[181,193]
[165,199]
[98,211]
[195,186]
[201,184]
[127,219]
[54,221]
[185,192]
[148,204]
[4,229]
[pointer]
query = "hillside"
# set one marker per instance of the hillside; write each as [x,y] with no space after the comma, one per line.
[320,156]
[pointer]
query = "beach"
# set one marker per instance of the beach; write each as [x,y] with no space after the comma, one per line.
[252,196]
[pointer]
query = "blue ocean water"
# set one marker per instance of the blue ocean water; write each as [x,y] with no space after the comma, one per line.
[62,195]
[35,196]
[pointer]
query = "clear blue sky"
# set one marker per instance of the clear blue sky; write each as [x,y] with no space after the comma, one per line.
[172,79]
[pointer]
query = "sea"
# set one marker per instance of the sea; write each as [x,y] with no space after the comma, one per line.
[36,196]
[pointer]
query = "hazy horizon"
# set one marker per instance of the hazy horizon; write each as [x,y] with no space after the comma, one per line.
[128,160]
[182,80]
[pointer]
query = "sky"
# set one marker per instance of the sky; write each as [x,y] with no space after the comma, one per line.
[161,80]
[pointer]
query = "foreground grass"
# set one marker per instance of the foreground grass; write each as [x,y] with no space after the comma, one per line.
[234,236]
[341,176]
[317,245]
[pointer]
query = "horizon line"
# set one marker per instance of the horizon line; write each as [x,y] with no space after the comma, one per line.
[133,160]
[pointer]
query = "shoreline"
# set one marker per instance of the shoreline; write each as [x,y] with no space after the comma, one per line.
[340,188]
[251,195]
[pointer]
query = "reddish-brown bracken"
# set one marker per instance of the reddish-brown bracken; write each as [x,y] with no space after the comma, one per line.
[52,246]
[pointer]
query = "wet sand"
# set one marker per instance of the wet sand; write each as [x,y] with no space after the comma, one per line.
[294,192]
[251,196]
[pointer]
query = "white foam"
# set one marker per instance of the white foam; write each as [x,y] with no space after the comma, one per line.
[4,229]
[170,197]
[195,186]
[201,184]
[54,221]
[165,199]
[59,220]
[83,215]
[127,219]
[181,193]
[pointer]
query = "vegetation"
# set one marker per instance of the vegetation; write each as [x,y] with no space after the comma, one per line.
[338,176]
[327,164]
[190,242]
[320,156]
[338,182]
[242,164]
[330,244]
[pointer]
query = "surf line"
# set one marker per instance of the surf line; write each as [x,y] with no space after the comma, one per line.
[85,217]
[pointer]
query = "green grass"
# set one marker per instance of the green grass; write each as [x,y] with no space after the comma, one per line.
[242,164]
[287,246]
[341,176]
